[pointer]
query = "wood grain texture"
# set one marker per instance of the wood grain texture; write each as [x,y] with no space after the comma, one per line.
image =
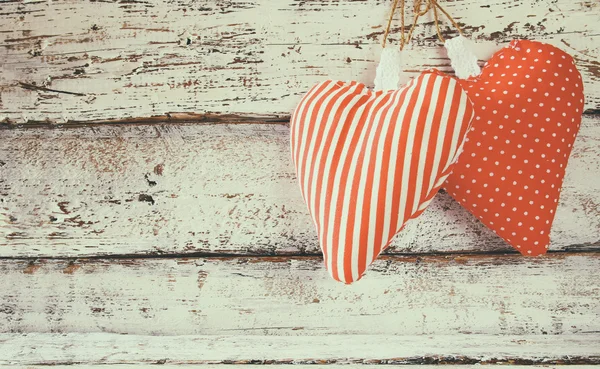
[285,365]
[71,60]
[111,349]
[225,189]
[294,296]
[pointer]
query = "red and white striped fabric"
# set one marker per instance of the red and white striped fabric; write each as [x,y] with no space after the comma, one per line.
[367,162]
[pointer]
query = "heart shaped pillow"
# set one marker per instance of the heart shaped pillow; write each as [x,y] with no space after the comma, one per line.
[528,104]
[367,162]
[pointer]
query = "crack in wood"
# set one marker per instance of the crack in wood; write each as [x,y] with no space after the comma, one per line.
[29,86]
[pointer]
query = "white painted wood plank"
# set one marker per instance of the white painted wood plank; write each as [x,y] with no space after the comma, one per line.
[407,296]
[174,189]
[146,58]
[111,349]
[90,194]
[296,366]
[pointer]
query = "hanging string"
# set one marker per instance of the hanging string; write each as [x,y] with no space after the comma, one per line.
[437,6]
[389,23]
[418,12]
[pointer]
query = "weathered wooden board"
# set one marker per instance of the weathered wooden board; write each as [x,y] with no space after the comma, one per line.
[75,60]
[111,349]
[284,296]
[286,365]
[174,189]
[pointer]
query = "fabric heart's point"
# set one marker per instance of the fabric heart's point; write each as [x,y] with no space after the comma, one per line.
[367,162]
[528,104]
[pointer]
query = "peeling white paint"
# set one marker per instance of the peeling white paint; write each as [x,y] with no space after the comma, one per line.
[406,296]
[110,350]
[176,189]
[221,189]
[258,56]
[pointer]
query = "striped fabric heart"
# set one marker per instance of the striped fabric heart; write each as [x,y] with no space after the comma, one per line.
[368,162]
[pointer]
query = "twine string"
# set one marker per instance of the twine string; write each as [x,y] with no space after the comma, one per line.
[418,11]
[389,23]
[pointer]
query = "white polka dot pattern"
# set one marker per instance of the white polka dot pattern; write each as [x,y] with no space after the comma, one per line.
[528,103]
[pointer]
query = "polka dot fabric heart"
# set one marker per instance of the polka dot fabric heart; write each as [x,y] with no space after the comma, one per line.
[528,104]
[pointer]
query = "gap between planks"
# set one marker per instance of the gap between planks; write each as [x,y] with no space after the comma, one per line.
[176,119]
[171,118]
[581,250]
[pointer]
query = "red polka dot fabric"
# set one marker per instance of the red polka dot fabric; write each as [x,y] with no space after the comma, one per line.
[528,104]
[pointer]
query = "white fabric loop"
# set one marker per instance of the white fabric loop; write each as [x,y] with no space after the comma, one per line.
[463,60]
[389,70]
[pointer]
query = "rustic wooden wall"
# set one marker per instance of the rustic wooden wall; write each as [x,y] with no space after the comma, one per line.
[149,211]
